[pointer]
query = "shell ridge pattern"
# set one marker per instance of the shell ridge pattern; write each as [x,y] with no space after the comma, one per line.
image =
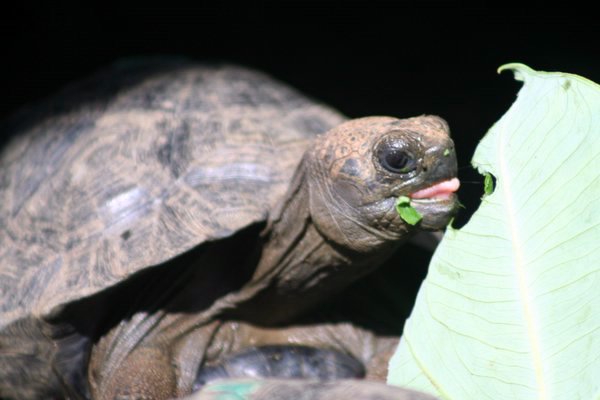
[170,159]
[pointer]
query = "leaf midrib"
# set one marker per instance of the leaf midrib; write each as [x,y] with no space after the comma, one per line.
[520,271]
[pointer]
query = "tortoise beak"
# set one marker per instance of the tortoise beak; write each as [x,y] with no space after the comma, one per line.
[437,202]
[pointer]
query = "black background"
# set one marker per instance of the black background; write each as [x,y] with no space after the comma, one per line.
[363,58]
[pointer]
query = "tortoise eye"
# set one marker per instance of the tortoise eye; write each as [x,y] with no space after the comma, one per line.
[397,160]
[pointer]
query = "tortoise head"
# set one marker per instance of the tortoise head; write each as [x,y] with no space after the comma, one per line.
[358,170]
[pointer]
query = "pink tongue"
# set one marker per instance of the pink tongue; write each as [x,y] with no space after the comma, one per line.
[438,191]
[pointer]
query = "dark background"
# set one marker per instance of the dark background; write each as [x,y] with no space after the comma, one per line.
[363,58]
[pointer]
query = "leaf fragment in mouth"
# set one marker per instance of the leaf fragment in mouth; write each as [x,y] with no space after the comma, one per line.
[406,211]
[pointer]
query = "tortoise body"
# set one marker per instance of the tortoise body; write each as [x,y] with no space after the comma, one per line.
[161,216]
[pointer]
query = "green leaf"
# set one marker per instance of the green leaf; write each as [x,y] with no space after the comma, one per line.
[406,211]
[488,184]
[510,308]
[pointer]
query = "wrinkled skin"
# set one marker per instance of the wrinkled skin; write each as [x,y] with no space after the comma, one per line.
[336,223]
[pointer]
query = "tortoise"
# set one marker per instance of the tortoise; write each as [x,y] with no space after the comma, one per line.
[163,215]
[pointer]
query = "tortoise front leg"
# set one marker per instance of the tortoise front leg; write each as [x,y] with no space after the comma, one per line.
[140,360]
[161,367]
[145,374]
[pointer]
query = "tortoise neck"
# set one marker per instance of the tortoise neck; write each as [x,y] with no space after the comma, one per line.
[298,266]
[289,238]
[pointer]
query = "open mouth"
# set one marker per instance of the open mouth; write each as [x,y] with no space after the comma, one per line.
[440,191]
[436,203]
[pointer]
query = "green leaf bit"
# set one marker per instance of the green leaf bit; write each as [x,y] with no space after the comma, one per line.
[488,185]
[406,211]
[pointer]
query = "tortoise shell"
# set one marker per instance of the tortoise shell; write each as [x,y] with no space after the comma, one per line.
[136,165]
